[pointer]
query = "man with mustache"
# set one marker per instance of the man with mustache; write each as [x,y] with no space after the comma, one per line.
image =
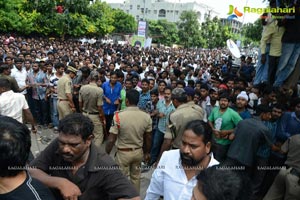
[223,120]
[75,168]
[175,175]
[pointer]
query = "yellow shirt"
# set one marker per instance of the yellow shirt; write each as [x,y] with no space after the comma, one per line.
[272,34]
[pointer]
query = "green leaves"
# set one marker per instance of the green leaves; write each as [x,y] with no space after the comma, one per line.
[163,32]
[80,18]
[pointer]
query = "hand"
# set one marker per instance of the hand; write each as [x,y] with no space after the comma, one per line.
[275,148]
[263,58]
[161,115]
[147,157]
[107,100]
[223,134]
[33,129]
[217,133]
[117,102]
[68,190]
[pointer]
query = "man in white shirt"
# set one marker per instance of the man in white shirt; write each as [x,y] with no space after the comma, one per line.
[175,175]
[12,104]
[20,74]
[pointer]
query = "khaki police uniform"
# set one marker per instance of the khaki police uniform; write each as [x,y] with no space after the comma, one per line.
[130,129]
[92,96]
[178,120]
[64,86]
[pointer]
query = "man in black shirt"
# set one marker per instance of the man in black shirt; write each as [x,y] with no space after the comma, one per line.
[15,182]
[75,168]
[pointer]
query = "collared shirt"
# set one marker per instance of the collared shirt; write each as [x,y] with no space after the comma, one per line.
[64,87]
[291,146]
[99,178]
[112,94]
[290,124]
[20,76]
[145,101]
[179,118]
[169,179]
[12,104]
[53,83]
[131,127]
[209,107]
[38,92]
[92,96]
[272,34]
[166,110]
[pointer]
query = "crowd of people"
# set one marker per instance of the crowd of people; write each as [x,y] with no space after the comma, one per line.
[146,102]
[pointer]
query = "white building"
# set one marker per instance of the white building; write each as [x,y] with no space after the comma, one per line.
[163,9]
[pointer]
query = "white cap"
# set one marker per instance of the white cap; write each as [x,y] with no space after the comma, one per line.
[243,95]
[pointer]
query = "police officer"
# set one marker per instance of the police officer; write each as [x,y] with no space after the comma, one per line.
[65,104]
[184,113]
[132,127]
[90,104]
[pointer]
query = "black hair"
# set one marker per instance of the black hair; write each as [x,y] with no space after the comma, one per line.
[133,96]
[154,92]
[146,81]
[200,128]
[3,67]
[119,73]
[5,83]
[181,82]
[15,143]
[223,184]
[180,97]
[279,106]
[224,95]
[162,81]
[191,83]
[262,109]
[129,80]
[76,124]
[113,73]
[59,65]
[18,60]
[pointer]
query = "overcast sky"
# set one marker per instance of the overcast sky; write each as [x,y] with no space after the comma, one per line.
[222,6]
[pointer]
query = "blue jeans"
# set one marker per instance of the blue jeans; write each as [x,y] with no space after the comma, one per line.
[262,69]
[287,62]
[54,111]
[157,142]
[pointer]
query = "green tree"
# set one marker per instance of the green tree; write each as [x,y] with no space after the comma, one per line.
[214,33]
[188,29]
[103,17]
[163,32]
[123,22]
[251,33]
[13,18]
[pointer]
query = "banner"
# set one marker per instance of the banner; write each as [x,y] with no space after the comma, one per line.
[142,27]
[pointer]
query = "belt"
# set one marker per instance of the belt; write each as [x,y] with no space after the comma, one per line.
[63,99]
[295,172]
[129,149]
[91,113]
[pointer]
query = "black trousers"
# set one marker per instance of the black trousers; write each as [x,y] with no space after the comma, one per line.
[273,63]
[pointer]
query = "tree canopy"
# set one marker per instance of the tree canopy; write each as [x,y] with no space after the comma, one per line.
[63,17]
[80,18]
